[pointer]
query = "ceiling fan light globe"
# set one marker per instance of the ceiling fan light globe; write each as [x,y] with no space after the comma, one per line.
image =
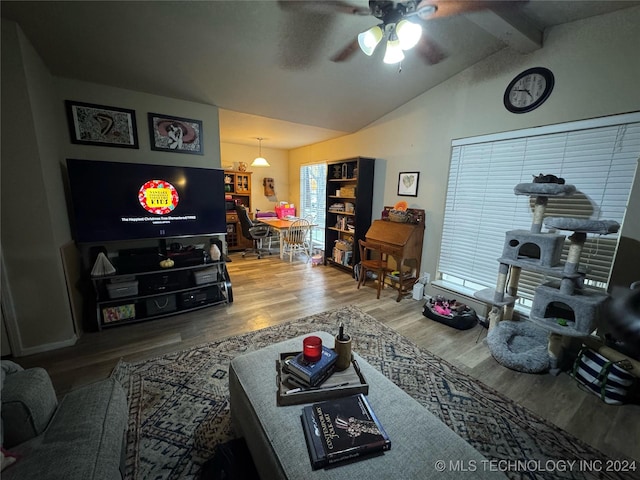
[394,53]
[369,39]
[408,33]
[426,10]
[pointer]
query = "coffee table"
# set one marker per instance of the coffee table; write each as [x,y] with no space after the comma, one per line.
[276,441]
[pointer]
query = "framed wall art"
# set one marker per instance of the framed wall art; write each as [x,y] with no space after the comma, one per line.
[408,184]
[175,134]
[91,124]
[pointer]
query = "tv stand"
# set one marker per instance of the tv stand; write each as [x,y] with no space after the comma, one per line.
[139,292]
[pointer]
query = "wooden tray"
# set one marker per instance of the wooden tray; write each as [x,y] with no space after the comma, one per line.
[333,387]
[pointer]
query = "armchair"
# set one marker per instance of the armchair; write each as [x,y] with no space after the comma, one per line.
[82,436]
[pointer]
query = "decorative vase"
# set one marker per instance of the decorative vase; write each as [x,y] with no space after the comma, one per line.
[242,166]
[214,252]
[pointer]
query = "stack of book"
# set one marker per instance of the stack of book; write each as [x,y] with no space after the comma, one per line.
[341,430]
[312,374]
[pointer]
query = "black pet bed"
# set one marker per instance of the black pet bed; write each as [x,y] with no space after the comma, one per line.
[450,313]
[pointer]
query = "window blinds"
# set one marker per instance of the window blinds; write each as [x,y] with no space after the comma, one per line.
[599,157]
[313,182]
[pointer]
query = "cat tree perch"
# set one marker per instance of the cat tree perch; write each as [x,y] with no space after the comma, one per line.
[562,307]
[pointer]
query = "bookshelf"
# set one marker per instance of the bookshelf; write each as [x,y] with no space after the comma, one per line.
[349,207]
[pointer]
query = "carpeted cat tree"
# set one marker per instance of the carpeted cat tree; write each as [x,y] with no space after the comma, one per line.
[561,309]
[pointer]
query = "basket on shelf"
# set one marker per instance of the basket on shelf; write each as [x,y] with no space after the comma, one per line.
[399,216]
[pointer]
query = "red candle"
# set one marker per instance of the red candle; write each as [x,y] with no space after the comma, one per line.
[312,348]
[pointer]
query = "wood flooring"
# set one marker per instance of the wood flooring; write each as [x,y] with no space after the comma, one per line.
[270,291]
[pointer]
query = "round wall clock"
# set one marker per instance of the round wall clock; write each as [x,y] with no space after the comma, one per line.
[528,90]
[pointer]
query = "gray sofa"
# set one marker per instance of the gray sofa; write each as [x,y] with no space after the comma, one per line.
[81,437]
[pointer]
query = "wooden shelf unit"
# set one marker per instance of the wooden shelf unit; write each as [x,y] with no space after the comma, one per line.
[238,187]
[349,181]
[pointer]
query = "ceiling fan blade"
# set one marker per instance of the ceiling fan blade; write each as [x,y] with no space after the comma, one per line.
[347,52]
[449,8]
[429,50]
[302,41]
[324,7]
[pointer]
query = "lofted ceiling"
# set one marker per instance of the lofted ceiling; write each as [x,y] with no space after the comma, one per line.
[266,65]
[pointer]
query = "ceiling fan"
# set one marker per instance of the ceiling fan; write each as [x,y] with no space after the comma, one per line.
[401,23]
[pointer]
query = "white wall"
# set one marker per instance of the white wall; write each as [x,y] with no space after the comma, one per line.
[596,67]
[35,144]
[278,170]
[37,311]
[142,103]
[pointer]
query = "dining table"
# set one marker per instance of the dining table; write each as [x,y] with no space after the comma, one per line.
[280,225]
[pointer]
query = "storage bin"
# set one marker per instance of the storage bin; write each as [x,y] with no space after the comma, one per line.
[207,275]
[161,304]
[116,314]
[348,191]
[285,212]
[122,289]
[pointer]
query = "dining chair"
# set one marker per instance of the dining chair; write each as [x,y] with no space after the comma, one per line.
[297,239]
[372,259]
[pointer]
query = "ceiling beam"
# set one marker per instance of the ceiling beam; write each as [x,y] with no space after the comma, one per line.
[513,29]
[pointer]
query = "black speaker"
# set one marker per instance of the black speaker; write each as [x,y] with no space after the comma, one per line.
[195,298]
[164,282]
[137,263]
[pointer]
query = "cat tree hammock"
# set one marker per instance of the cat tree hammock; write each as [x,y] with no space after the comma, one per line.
[563,308]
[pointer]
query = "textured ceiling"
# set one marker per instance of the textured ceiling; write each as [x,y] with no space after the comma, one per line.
[267,67]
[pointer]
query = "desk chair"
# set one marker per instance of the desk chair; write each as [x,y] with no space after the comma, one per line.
[372,259]
[297,239]
[273,237]
[253,231]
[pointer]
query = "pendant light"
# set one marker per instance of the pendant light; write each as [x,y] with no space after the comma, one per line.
[260,161]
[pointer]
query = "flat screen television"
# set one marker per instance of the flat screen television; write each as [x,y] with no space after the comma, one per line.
[114,201]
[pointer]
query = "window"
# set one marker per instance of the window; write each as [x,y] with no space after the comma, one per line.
[313,180]
[598,156]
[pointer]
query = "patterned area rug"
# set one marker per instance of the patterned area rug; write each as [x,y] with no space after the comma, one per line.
[179,404]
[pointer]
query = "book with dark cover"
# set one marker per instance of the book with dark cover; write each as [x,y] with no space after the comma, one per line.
[296,381]
[342,429]
[312,373]
[293,391]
